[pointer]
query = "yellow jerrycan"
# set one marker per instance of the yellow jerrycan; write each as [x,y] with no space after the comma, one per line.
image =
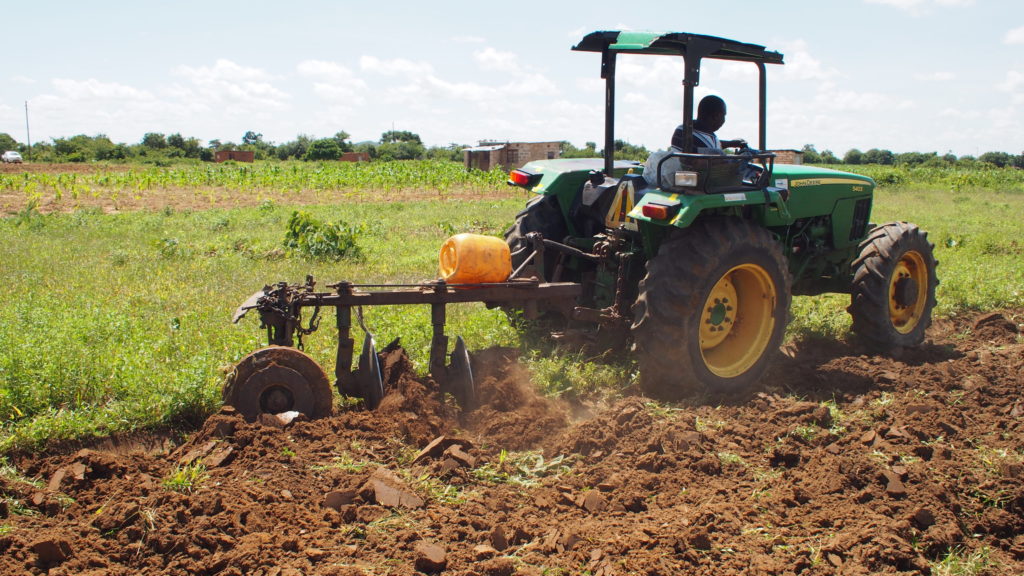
[475,258]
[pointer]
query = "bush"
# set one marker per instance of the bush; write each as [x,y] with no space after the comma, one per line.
[326,149]
[321,241]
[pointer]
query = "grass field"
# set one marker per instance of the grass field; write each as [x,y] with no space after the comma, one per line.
[115,322]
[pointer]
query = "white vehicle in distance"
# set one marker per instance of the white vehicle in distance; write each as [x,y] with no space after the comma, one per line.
[11,157]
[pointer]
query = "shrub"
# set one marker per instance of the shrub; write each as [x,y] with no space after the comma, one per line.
[318,240]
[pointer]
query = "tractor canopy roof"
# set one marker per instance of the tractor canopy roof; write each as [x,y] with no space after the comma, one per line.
[676,44]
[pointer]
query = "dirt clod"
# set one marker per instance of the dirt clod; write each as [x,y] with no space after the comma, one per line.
[430,557]
[50,552]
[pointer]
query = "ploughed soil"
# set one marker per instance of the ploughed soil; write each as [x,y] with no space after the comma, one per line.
[844,462]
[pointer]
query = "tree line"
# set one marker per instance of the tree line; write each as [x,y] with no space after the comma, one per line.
[159,148]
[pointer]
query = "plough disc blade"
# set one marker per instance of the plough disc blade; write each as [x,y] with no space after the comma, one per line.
[368,376]
[278,379]
[459,376]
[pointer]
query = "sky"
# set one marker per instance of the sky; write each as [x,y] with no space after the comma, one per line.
[903,75]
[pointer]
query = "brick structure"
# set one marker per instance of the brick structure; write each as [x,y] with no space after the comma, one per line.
[355,157]
[509,155]
[788,156]
[236,155]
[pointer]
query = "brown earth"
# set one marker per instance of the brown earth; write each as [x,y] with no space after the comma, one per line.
[845,463]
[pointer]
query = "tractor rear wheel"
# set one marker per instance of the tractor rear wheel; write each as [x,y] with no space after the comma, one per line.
[542,214]
[278,379]
[893,286]
[711,310]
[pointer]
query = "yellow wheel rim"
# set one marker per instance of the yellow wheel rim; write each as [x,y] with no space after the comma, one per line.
[908,292]
[737,320]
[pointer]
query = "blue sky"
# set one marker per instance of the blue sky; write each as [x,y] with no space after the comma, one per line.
[904,75]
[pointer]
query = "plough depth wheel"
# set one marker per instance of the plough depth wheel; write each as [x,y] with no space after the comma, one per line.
[278,379]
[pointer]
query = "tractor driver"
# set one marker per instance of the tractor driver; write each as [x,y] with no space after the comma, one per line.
[710,117]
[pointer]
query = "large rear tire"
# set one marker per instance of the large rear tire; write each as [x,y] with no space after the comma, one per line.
[711,310]
[278,379]
[894,284]
[542,214]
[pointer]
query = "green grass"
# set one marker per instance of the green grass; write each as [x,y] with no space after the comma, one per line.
[115,322]
[961,562]
[979,244]
[123,321]
[185,479]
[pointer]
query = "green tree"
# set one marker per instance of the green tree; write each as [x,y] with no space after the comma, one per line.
[853,156]
[913,158]
[567,150]
[811,155]
[626,151]
[452,152]
[876,156]
[400,136]
[325,149]
[251,137]
[154,141]
[827,157]
[295,149]
[1000,159]
[403,150]
[7,143]
[342,139]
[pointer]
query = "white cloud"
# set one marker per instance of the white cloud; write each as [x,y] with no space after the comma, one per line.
[800,65]
[959,113]
[238,89]
[334,83]
[395,67]
[901,4]
[93,89]
[918,7]
[491,59]
[1015,36]
[24,80]
[325,70]
[222,71]
[935,76]
[1014,84]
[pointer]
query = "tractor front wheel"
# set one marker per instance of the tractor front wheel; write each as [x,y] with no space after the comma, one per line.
[278,379]
[711,309]
[894,284]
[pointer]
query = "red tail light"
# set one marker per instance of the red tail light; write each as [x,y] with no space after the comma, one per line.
[521,178]
[659,210]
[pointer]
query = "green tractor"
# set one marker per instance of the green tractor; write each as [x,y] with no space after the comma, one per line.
[697,255]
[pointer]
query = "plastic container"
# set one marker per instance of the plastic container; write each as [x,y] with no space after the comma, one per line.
[474,258]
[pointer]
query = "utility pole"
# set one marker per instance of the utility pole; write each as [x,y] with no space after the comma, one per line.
[28,135]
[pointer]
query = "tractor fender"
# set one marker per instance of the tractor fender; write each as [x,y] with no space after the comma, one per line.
[685,208]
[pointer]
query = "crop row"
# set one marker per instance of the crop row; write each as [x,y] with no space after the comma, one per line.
[284,177]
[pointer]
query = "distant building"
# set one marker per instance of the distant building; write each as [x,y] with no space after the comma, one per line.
[509,155]
[788,156]
[236,155]
[355,157]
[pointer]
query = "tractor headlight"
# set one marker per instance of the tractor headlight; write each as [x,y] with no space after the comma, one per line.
[686,179]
